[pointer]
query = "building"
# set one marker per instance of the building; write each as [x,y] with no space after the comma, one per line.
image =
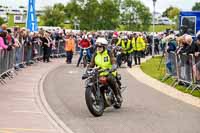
[18,14]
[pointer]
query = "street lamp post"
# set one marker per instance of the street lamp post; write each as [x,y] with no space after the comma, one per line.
[153,45]
[76,23]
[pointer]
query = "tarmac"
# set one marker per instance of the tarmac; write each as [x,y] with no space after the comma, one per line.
[24,110]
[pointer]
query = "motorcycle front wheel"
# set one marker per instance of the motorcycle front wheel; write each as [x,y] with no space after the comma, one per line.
[94,104]
[84,61]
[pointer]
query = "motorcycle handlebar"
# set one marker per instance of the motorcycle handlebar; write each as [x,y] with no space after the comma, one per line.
[95,70]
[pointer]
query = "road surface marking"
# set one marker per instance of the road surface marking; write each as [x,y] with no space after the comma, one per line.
[11,130]
[32,112]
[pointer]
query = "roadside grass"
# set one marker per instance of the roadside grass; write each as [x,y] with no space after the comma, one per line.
[151,68]
[160,28]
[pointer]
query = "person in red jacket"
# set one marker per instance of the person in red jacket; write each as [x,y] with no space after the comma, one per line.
[84,43]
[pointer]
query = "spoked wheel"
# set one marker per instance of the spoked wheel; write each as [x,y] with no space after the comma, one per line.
[84,61]
[119,61]
[117,106]
[95,106]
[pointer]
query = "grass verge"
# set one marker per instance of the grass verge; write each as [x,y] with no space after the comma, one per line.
[151,68]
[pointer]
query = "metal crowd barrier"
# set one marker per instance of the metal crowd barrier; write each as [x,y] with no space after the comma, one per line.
[171,66]
[184,69]
[196,73]
[185,63]
[37,51]
[59,49]
[7,61]
[10,60]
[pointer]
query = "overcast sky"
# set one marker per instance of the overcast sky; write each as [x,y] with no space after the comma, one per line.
[161,5]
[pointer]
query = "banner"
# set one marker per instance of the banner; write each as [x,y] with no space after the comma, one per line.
[31,22]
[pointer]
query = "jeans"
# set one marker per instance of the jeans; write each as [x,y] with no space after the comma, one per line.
[69,55]
[137,56]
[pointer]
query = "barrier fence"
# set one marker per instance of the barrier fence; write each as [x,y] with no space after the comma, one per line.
[184,69]
[23,55]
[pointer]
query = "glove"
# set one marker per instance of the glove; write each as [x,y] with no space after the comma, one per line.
[114,68]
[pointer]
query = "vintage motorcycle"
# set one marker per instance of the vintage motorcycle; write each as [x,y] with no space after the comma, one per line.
[98,93]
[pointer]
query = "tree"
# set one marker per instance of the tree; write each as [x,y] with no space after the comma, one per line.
[135,15]
[53,17]
[72,9]
[173,13]
[59,6]
[109,14]
[165,13]
[89,15]
[196,7]
[1,21]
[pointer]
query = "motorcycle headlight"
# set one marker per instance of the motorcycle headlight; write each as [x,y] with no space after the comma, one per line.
[84,52]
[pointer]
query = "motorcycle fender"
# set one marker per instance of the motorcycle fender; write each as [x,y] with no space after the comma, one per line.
[90,84]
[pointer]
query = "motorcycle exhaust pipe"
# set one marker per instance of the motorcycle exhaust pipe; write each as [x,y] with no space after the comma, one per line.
[123,89]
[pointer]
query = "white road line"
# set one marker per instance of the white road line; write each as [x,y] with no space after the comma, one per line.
[23,99]
[24,111]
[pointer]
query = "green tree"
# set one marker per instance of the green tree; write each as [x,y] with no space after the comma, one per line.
[166,12]
[1,21]
[109,14]
[135,15]
[72,9]
[53,17]
[173,13]
[59,6]
[196,7]
[89,15]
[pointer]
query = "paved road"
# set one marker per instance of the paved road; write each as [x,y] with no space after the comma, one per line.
[144,109]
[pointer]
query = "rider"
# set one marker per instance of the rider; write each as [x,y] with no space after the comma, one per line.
[127,49]
[114,39]
[105,60]
[84,43]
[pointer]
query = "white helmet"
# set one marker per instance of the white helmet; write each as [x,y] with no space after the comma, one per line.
[101,41]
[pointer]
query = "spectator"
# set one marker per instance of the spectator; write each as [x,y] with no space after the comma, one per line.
[46,47]
[2,44]
[196,67]
[69,48]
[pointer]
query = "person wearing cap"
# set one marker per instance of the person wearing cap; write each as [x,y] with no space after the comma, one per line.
[105,60]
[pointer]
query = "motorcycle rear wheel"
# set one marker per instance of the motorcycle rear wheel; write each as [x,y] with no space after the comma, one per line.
[96,107]
[117,106]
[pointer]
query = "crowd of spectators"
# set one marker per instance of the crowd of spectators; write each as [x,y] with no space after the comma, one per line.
[31,46]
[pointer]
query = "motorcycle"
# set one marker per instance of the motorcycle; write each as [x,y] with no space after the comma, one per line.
[120,56]
[85,58]
[98,94]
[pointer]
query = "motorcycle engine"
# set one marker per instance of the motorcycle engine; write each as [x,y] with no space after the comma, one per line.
[108,94]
